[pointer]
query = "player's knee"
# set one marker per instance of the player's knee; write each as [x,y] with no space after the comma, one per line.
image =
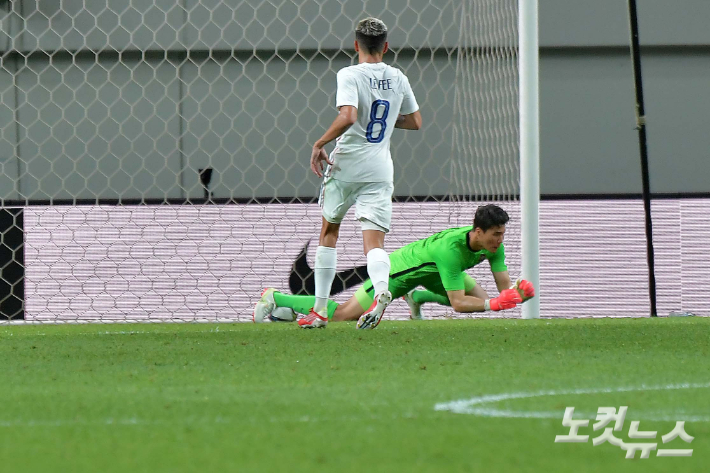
[367,224]
[373,235]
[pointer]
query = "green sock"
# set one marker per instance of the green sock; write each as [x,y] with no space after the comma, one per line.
[420,297]
[301,304]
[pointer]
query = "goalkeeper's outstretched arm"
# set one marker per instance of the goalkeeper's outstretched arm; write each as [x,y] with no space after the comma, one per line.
[460,302]
[502,280]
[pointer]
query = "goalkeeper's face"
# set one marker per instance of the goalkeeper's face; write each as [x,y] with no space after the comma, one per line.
[492,238]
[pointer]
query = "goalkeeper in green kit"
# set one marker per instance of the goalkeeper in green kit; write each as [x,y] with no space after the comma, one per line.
[438,263]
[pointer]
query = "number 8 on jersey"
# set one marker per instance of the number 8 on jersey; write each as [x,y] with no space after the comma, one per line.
[375,120]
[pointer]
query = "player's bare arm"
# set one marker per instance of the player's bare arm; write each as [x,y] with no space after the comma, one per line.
[502,280]
[347,115]
[461,302]
[412,121]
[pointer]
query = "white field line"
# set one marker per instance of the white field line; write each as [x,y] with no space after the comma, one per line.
[478,405]
[459,407]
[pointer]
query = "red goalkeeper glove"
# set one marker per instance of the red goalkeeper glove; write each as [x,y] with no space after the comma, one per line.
[525,288]
[508,299]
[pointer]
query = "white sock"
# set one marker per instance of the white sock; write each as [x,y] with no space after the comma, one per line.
[326,259]
[378,268]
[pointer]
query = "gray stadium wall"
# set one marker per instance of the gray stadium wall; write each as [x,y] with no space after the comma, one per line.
[588,140]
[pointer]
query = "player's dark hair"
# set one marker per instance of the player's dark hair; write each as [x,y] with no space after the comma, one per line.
[371,34]
[488,216]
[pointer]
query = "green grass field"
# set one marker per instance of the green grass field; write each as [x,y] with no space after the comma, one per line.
[271,397]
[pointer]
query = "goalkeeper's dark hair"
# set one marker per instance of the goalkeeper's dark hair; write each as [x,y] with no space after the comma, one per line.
[371,34]
[488,216]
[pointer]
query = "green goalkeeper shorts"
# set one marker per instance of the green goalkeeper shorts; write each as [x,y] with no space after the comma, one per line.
[365,295]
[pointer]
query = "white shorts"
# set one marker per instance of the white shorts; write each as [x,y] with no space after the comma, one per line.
[373,201]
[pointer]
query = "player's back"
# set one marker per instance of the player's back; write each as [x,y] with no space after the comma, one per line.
[380,92]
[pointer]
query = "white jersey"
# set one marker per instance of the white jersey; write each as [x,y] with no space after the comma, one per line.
[381,93]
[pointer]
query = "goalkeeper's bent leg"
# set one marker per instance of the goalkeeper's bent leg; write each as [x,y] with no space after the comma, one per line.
[301,304]
[420,297]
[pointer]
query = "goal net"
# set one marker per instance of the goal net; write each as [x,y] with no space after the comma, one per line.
[155,153]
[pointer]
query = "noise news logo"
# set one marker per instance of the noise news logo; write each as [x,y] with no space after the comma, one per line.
[605,415]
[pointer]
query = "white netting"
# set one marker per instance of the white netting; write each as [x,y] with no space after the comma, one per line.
[485,160]
[110,111]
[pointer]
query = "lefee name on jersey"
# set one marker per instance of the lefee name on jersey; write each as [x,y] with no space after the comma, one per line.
[382,84]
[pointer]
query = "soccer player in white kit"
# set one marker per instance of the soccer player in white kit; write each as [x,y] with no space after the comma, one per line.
[373,99]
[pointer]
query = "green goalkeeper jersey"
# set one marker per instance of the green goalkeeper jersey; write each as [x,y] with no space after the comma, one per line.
[444,255]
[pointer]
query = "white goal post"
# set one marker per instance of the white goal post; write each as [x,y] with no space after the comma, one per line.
[530,149]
